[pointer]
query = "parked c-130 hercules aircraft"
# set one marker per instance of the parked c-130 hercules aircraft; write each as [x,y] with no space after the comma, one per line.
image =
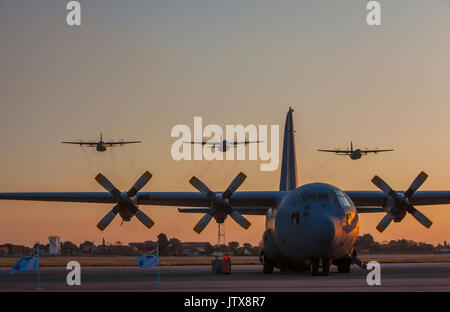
[305,225]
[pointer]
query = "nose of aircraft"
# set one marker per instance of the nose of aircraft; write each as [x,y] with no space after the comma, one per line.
[321,235]
[324,230]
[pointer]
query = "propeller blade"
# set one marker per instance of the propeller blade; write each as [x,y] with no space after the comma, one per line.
[106,220]
[384,223]
[416,184]
[240,178]
[419,216]
[140,183]
[201,187]
[379,182]
[202,223]
[103,181]
[145,220]
[240,219]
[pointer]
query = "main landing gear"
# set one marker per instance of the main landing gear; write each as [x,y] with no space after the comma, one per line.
[267,266]
[343,265]
[315,265]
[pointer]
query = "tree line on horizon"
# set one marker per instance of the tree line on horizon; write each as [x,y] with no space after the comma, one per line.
[167,247]
[174,247]
[366,243]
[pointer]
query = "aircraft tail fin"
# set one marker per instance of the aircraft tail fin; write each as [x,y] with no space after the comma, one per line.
[351,146]
[288,180]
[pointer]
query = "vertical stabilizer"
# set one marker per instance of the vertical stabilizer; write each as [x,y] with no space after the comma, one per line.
[288,180]
[351,147]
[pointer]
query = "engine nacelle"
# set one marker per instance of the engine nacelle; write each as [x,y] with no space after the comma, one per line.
[400,215]
[126,214]
[389,204]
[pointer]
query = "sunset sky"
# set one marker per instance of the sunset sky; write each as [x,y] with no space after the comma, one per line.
[134,69]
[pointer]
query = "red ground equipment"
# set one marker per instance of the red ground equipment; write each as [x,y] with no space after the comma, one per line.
[221,265]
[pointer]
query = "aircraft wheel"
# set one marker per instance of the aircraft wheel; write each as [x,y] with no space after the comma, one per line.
[267,266]
[343,265]
[315,267]
[325,266]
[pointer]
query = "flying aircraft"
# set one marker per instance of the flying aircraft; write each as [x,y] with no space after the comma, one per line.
[224,145]
[304,226]
[100,146]
[357,153]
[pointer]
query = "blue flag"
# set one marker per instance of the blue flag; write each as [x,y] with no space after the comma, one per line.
[148,259]
[26,263]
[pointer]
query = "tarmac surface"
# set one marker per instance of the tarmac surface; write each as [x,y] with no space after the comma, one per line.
[244,278]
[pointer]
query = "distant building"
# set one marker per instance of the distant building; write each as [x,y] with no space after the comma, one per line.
[149,245]
[13,250]
[137,246]
[69,249]
[122,251]
[54,245]
[142,246]
[18,249]
[4,250]
[88,247]
[194,248]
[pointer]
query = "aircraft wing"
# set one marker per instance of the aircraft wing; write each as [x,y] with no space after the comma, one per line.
[81,143]
[344,152]
[246,142]
[370,209]
[255,211]
[121,143]
[367,201]
[204,143]
[75,197]
[184,199]
[196,199]
[376,151]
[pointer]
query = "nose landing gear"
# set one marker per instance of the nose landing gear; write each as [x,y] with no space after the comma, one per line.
[324,263]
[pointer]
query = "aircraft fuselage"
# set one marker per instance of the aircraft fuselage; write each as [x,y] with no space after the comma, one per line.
[316,220]
[222,147]
[101,147]
[356,154]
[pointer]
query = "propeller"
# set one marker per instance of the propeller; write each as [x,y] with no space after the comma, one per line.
[220,204]
[401,202]
[126,201]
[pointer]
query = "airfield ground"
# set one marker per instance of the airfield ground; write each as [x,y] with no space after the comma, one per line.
[413,276]
[180,261]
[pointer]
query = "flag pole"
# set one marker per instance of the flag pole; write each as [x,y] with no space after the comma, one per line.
[157,260]
[38,271]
